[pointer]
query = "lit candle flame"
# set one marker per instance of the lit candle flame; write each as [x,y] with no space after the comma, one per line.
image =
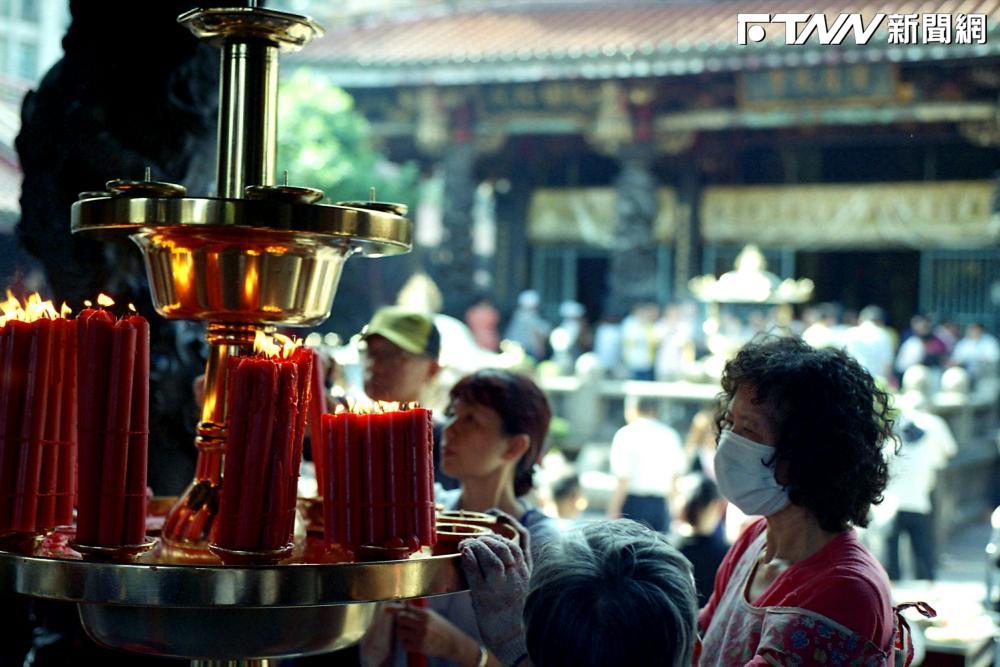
[88,303]
[105,300]
[33,309]
[358,407]
[131,307]
[65,311]
[276,345]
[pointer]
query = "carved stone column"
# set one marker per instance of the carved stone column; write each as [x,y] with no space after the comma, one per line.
[687,237]
[453,263]
[633,261]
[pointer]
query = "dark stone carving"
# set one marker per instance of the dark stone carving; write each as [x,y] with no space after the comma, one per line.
[133,89]
[632,273]
[453,264]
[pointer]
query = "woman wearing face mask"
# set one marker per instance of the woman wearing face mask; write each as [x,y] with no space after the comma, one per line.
[801,444]
[494,436]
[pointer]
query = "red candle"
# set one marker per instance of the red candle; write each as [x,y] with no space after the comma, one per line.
[422,492]
[16,345]
[138,439]
[52,449]
[372,465]
[33,426]
[238,393]
[305,360]
[93,365]
[258,450]
[396,486]
[274,534]
[317,408]
[330,491]
[425,475]
[66,483]
[352,497]
[114,454]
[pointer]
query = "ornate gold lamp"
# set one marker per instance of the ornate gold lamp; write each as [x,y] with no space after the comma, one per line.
[259,254]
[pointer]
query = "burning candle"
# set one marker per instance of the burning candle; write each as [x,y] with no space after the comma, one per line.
[112,407]
[32,426]
[138,438]
[317,408]
[371,468]
[94,329]
[66,479]
[264,378]
[239,391]
[114,450]
[267,395]
[276,529]
[33,350]
[306,361]
[379,484]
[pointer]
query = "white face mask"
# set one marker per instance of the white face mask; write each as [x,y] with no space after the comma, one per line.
[745,479]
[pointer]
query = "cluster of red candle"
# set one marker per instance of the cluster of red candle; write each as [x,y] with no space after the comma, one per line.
[37,416]
[268,400]
[380,477]
[113,422]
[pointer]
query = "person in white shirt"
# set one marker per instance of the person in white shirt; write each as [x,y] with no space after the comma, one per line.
[870,343]
[640,340]
[927,444]
[978,352]
[646,457]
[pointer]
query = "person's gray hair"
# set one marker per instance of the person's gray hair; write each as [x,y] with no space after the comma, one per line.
[611,593]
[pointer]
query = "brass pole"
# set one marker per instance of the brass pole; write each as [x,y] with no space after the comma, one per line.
[248,115]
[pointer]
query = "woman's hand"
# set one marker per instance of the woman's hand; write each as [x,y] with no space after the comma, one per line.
[424,631]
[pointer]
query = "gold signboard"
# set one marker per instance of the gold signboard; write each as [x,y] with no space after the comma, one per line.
[917,215]
[588,216]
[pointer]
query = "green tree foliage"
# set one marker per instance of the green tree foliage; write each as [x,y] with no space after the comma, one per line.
[325,143]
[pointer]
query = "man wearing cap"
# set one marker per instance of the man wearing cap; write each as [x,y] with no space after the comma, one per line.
[400,348]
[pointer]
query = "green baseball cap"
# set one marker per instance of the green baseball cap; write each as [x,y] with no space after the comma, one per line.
[412,330]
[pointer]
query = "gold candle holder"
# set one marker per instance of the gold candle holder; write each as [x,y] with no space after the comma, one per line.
[256,256]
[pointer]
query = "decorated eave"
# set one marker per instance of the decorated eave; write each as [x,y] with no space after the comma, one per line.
[527,42]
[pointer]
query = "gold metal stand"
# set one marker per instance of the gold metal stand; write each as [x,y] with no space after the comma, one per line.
[259,255]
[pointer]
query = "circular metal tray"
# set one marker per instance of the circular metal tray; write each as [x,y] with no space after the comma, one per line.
[155,581]
[374,232]
[161,607]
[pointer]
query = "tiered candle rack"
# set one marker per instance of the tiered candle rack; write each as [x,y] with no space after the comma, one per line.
[257,255]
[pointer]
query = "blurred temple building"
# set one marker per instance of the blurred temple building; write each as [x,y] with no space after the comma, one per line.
[608,153]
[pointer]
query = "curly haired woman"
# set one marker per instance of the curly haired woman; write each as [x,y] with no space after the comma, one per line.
[801,444]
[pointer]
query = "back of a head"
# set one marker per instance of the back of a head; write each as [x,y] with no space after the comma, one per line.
[611,593]
[702,496]
[872,314]
[642,406]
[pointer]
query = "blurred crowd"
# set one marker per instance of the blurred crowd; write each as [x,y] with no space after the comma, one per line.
[689,341]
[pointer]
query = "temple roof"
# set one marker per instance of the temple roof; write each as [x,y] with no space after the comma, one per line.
[519,41]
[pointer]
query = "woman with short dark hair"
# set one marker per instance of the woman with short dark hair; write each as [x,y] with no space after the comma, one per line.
[801,443]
